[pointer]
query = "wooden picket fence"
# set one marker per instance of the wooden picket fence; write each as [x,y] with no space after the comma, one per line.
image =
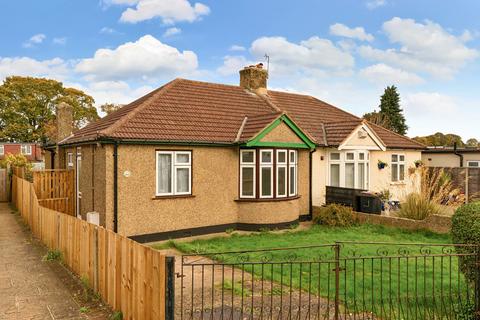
[55,189]
[130,277]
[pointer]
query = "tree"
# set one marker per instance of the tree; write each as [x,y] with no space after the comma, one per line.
[473,143]
[110,107]
[441,140]
[390,108]
[27,108]
[377,118]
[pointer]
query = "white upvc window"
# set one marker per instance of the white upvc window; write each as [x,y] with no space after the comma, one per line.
[266,173]
[247,173]
[69,160]
[2,149]
[26,149]
[398,167]
[473,163]
[281,173]
[292,169]
[349,169]
[174,173]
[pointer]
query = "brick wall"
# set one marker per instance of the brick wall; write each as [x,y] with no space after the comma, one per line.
[15,148]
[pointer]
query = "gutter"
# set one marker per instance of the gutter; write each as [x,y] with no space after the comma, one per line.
[455,152]
[115,187]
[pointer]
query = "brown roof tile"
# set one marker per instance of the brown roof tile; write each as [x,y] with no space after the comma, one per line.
[202,112]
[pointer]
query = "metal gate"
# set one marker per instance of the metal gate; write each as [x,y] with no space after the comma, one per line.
[345,280]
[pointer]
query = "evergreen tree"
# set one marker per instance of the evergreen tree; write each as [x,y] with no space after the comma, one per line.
[390,108]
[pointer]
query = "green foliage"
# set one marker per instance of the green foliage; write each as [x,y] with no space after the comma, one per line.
[466,229]
[84,309]
[336,215]
[110,107]
[53,255]
[17,160]
[441,140]
[418,207]
[117,315]
[377,118]
[385,195]
[473,143]
[465,311]
[390,107]
[27,108]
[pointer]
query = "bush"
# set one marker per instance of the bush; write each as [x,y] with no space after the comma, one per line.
[336,215]
[418,207]
[466,230]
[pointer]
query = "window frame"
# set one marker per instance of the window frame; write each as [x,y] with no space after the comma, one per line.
[69,160]
[292,165]
[2,149]
[173,175]
[474,161]
[399,163]
[342,162]
[28,147]
[248,165]
[280,165]
[269,165]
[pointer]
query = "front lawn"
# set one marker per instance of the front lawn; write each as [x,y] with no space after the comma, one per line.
[399,280]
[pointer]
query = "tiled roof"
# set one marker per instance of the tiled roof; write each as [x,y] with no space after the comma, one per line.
[202,112]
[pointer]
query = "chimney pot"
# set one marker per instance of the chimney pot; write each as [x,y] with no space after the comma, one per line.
[254,78]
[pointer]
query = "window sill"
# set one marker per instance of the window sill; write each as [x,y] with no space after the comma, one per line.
[398,183]
[267,199]
[173,196]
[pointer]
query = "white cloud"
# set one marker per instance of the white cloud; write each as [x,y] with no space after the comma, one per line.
[233,64]
[237,47]
[146,58]
[60,41]
[342,30]
[34,40]
[309,56]
[383,74]
[373,4]
[23,66]
[430,103]
[423,48]
[171,32]
[169,11]
[107,30]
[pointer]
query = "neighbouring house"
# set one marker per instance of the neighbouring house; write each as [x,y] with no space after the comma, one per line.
[32,151]
[451,157]
[194,157]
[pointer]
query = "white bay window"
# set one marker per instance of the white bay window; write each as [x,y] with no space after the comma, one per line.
[266,173]
[349,169]
[174,173]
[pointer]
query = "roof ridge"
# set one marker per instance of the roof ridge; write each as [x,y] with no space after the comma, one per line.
[129,115]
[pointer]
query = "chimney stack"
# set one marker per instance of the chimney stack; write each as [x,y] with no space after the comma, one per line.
[254,78]
[64,121]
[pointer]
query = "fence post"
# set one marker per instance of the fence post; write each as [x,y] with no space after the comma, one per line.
[337,280]
[169,288]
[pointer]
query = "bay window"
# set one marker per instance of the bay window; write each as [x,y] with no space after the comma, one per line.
[349,169]
[276,170]
[398,167]
[174,173]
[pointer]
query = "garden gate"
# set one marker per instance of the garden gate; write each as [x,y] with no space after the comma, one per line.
[345,280]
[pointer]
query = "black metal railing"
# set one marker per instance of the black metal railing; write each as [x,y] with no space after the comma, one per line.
[345,280]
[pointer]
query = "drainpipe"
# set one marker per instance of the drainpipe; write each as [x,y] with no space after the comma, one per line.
[310,182]
[455,152]
[115,187]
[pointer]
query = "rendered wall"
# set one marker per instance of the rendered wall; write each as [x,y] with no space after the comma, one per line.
[448,159]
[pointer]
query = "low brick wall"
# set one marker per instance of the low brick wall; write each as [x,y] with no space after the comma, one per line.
[438,224]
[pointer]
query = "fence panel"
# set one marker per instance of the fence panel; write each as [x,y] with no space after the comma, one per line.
[129,276]
[466,179]
[56,189]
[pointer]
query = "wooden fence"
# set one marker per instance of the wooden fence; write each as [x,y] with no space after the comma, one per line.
[130,277]
[466,179]
[55,189]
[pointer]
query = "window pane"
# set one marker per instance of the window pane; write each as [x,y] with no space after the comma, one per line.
[282,181]
[350,156]
[402,172]
[361,175]
[293,156]
[350,175]
[367,185]
[335,156]
[183,158]
[247,182]
[335,175]
[266,157]
[293,180]
[402,158]
[361,156]
[248,156]
[394,158]
[164,173]
[394,172]
[472,164]
[266,174]
[282,157]
[183,180]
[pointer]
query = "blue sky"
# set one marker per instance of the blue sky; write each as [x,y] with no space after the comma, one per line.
[344,52]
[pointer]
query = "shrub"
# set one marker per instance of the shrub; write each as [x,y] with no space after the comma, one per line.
[466,230]
[465,311]
[336,215]
[53,255]
[418,207]
[437,186]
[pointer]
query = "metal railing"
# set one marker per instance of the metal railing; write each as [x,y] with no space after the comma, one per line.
[344,280]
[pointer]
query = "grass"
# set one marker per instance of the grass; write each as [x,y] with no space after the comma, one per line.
[390,283]
[53,255]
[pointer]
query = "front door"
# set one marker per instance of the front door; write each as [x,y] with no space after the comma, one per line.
[79,194]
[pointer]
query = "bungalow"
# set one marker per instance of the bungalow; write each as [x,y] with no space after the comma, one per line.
[451,157]
[195,157]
